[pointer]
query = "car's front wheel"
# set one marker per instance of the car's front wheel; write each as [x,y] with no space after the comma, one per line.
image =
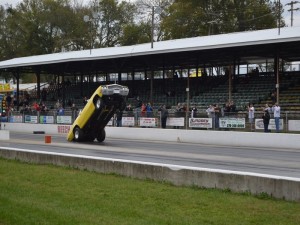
[97,102]
[78,134]
[101,135]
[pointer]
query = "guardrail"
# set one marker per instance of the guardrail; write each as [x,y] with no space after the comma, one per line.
[289,122]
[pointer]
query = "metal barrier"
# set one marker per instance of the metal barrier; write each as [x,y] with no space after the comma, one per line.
[289,122]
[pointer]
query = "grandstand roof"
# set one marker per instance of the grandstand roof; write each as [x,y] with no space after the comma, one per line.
[220,49]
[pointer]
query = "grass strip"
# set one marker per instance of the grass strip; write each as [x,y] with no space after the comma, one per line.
[46,194]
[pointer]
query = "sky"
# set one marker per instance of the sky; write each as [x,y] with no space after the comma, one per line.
[287,15]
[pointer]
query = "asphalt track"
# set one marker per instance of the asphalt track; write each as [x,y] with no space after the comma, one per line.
[278,162]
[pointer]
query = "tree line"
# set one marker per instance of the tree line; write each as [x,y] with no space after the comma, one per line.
[34,27]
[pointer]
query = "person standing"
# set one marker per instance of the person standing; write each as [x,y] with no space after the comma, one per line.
[266,119]
[164,115]
[251,111]
[149,110]
[276,111]
[119,116]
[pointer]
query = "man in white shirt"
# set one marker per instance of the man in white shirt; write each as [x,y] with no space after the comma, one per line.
[251,110]
[276,111]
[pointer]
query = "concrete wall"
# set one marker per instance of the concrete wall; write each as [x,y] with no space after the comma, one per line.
[278,187]
[4,135]
[230,138]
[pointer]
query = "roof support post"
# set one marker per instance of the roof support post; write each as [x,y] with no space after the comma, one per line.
[229,82]
[63,91]
[187,101]
[81,84]
[119,77]
[151,86]
[17,75]
[276,69]
[38,82]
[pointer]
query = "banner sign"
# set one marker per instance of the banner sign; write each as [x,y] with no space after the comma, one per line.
[200,122]
[46,119]
[63,129]
[259,124]
[232,122]
[128,121]
[294,125]
[147,122]
[16,119]
[31,119]
[175,121]
[64,119]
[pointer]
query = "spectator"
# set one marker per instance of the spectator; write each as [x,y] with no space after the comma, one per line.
[251,111]
[57,104]
[276,111]
[129,110]
[217,110]
[143,110]
[85,100]
[193,111]
[164,115]
[266,120]
[273,97]
[139,102]
[61,111]
[227,109]
[73,107]
[232,107]
[43,107]
[8,100]
[267,107]
[119,116]
[210,111]
[44,94]
[36,107]
[149,110]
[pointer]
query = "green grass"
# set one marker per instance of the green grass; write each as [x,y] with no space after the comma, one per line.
[45,194]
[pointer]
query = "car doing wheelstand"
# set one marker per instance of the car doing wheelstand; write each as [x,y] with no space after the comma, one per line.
[100,108]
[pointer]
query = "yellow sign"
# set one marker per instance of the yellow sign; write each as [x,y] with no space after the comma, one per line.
[5,88]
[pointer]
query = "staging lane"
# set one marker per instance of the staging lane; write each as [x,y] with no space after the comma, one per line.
[278,162]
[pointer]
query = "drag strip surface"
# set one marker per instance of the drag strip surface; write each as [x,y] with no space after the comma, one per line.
[278,162]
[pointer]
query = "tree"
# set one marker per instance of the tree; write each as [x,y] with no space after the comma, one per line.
[151,13]
[190,18]
[112,18]
[136,34]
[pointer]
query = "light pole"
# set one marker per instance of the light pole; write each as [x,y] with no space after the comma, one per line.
[292,10]
[87,19]
[279,16]
[154,9]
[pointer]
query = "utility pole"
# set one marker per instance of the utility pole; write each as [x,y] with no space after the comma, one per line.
[292,10]
[279,16]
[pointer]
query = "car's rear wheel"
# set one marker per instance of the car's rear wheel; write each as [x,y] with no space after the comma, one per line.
[101,135]
[90,137]
[122,106]
[78,134]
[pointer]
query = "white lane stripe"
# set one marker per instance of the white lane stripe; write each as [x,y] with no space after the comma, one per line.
[170,166]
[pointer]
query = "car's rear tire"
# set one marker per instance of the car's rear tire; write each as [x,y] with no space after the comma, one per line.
[101,135]
[78,134]
[122,106]
[90,138]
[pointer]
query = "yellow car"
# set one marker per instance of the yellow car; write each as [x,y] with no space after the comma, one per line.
[100,108]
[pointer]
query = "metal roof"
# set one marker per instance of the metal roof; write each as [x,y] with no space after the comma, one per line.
[206,50]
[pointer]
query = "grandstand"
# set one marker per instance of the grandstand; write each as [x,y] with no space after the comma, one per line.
[203,92]
[216,51]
